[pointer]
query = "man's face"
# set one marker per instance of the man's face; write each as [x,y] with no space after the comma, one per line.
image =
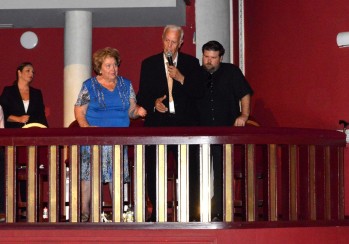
[171,41]
[211,60]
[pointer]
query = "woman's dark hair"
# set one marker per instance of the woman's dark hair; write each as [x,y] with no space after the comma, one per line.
[20,68]
[214,46]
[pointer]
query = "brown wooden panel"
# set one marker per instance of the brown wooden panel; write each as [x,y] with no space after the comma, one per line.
[117,189]
[175,135]
[10,184]
[74,184]
[32,195]
[250,183]
[272,180]
[327,183]
[340,172]
[313,176]
[95,183]
[312,185]
[228,184]
[293,190]
[53,180]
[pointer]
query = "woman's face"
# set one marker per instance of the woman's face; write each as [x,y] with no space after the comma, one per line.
[27,74]
[109,69]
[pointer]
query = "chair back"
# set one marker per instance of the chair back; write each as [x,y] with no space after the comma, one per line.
[34,125]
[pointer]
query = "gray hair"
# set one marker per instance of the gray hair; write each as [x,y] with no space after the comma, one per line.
[173,27]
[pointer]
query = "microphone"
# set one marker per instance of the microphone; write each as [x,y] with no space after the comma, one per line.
[169,58]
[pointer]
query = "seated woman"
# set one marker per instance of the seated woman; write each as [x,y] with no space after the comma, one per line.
[22,103]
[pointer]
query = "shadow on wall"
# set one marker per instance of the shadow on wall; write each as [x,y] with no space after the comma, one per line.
[263,115]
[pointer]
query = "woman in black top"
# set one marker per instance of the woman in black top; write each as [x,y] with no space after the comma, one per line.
[21,103]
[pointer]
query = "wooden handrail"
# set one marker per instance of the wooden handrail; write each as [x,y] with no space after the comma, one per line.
[171,135]
[282,158]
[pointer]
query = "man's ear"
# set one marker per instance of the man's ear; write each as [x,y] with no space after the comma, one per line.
[180,44]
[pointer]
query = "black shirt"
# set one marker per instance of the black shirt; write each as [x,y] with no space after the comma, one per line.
[222,92]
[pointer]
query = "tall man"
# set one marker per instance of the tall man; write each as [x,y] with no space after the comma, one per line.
[166,91]
[225,89]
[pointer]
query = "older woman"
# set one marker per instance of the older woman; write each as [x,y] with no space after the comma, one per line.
[22,103]
[106,100]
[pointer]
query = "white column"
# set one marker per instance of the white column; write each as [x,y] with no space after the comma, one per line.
[213,22]
[77,58]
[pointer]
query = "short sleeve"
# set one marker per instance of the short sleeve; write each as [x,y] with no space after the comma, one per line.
[132,93]
[2,122]
[83,97]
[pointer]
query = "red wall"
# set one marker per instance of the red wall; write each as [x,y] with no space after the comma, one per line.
[134,44]
[299,74]
[292,60]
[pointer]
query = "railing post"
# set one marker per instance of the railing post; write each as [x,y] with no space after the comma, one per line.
[293,170]
[11,185]
[250,180]
[340,174]
[205,181]
[312,182]
[327,178]
[53,183]
[117,192]
[228,184]
[139,178]
[95,184]
[32,185]
[74,196]
[272,183]
[183,183]
[161,183]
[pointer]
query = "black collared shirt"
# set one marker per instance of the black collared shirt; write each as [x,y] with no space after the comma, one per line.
[223,90]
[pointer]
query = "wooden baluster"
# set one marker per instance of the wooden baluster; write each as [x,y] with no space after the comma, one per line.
[183,184]
[53,186]
[340,173]
[161,183]
[272,183]
[250,182]
[312,183]
[228,184]
[139,183]
[95,184]
[293,166]
[11,186]
[74,196]
[327,179]
[205,180]
[31,185]
[117,192]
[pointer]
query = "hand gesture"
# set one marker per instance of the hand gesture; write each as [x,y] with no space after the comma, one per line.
[159,106]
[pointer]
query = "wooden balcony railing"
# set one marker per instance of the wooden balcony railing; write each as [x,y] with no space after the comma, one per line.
[270,174]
